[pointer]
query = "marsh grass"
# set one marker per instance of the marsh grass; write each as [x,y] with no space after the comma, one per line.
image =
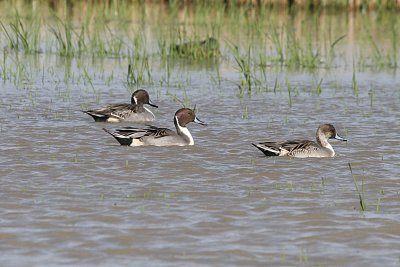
[245,113]
[378,204]
[298,55]
[289,88]
[15,70]
[354,84]
[293,51]
[381,57]
[105,42]
[17,36]
[275,37]
[316,88]
[63,33]
[361,195]
[22,36]
[143,36]
[196,49]
[4,66]
[289,185]
[394,57]
[100,38]
[244,66]
[331,54]
[139,72]
[185,101]
[88,79]
[371,94]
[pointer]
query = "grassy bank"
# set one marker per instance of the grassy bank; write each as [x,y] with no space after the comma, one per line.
[251,36]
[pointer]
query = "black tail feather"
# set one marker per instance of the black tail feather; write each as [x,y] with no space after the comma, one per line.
[97,118]
[266,152]
[124,141]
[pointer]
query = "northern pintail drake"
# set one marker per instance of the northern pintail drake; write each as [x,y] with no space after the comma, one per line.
[304,148]
[154,136]
[135,111]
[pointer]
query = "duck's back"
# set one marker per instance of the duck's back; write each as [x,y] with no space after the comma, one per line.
[305,149]
[145,116]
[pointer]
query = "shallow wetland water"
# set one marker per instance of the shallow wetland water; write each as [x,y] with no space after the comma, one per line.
[70,195]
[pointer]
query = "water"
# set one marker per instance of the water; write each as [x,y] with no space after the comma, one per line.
[71,195]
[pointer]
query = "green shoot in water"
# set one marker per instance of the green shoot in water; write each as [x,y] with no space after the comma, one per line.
[360,193]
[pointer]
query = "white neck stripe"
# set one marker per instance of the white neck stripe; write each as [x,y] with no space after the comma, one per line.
[185,132]
[149,111]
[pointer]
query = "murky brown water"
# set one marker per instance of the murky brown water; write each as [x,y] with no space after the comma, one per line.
[71,195]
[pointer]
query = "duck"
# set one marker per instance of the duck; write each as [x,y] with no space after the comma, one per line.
[133,112]
[303,148]
[155,136]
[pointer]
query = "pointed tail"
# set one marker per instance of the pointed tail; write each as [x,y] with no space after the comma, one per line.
[123,140]
[269,152]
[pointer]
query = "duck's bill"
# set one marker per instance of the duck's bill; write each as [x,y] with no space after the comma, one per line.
[196,120]
[340,138]
[153,105]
